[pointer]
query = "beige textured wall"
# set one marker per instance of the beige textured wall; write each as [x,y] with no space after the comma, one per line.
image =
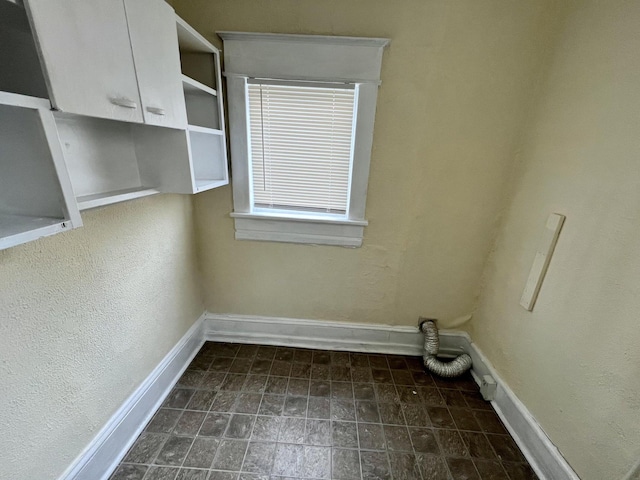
[574,361]
[457,83]
[84,318]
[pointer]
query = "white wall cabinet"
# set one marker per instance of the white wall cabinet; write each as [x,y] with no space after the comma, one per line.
[110,59]
[112,161]
[138,102]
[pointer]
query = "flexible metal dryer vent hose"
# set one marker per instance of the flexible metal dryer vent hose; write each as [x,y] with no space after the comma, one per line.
[454,368]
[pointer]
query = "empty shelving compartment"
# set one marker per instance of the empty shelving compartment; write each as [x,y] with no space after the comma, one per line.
[21,71]
[102,160]
[206,147]
[111,161]
[201,82]
[36,198]
[202,104]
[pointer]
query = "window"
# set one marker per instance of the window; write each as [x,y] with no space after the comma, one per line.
[301,146]
[301,112]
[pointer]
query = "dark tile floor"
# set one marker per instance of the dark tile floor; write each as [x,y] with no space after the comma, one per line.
[248,412]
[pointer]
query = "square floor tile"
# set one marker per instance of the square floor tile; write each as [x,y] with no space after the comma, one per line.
[249,412]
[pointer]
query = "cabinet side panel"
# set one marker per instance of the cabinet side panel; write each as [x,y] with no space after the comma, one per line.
[70,205]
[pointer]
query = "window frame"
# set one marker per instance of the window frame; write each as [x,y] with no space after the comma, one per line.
[306,59]
[338,86]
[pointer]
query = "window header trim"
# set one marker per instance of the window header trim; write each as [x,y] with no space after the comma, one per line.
[302,79]
[293,38]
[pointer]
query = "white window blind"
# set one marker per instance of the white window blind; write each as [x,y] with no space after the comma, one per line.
[301,146]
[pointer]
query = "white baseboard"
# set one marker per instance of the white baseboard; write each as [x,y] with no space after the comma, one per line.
[543,456]
[108,448]
[325,335]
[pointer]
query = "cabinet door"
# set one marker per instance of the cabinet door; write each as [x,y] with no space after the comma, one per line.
[87,57]
[154,40]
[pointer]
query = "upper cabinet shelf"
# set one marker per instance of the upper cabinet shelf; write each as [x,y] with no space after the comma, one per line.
[203,106]
[193,87]
[210,131]
[202,87]
[18,100]
[191,41]
[87,202]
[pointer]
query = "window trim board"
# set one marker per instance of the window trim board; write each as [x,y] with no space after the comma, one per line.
[279,229]
[250,224]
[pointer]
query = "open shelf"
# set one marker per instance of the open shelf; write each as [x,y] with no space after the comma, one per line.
[207,150]
[26,101]
[199,58]
[15,224]
[208,131]
[203,106]
[111,162]
[194,87]
[16,229]
[35,193]
[86,202]
[190,40]
[202,86]
[202,185]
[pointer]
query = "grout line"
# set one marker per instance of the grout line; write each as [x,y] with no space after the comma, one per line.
[355,413]
[244,457]
[237,400]
[306,411]
[375,395]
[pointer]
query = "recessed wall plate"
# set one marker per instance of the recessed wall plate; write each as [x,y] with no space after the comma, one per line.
[541,261]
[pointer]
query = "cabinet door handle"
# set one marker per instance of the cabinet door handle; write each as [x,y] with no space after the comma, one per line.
[156,110]
[124,102]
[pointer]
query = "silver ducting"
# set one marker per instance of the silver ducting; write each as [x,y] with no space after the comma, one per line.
[454,368]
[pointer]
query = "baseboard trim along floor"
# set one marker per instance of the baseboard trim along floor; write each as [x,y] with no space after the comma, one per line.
[108,448]
[543,456]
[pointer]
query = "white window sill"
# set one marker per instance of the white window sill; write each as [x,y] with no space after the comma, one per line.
[299,228]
